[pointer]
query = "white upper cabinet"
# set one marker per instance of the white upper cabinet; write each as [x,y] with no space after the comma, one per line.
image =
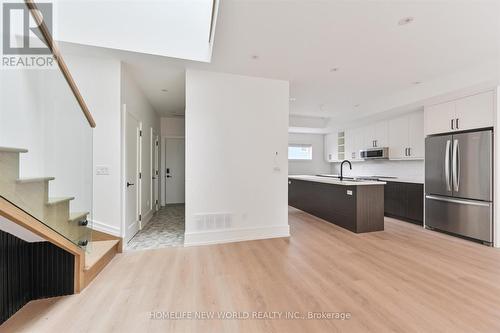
[331,147]
[406,137]
[354,142]
[398,137]
[476,111]
[416,138]
[376,135]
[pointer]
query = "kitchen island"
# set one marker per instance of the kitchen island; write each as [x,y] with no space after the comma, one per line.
[356,205]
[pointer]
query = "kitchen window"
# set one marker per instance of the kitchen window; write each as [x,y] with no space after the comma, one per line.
[300,152]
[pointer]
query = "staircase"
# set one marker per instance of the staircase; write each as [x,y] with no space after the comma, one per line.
[31,196]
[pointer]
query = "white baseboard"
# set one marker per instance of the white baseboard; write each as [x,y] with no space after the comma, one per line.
[106,228]
[235,235]
[147,217]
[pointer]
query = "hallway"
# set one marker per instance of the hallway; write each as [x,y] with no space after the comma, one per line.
[166,229]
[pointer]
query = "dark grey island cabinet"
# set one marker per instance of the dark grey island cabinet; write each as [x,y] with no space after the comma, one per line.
[405,201]
[356,206]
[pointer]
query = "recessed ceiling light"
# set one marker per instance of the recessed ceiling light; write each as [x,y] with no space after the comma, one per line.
[164,90]
[356,106]
[292,99]
[255,57]
[334,69]
[406,20]
[416,82]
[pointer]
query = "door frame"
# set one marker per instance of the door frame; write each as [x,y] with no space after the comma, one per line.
[123,178]
[155,183]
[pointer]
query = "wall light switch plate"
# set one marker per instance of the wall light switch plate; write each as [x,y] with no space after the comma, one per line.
[102,170]
[349,192]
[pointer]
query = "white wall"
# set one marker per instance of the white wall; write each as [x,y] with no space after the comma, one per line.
[317,164]
[405,170]
[22,120]
[236,185]
[171,127]
[136,104]
[99,82]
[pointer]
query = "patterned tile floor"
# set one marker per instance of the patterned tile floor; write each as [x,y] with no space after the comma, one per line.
[165,229]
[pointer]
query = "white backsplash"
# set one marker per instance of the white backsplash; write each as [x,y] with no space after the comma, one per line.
[409,170]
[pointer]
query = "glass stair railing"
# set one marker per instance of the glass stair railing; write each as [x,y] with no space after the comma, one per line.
[46,146]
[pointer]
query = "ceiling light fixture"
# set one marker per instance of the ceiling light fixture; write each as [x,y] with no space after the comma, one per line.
[406,20]
[356,106]
[334,69]
[416,82]
[255,57]
[164,90]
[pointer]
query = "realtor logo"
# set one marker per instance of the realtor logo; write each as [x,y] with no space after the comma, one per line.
[23,44]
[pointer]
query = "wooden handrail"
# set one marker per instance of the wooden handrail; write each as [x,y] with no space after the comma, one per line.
[60,61]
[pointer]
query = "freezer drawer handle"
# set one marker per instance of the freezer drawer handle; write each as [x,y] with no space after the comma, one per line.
[459,201]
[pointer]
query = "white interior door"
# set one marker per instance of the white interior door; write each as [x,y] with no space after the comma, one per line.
[174,171]
[132,128]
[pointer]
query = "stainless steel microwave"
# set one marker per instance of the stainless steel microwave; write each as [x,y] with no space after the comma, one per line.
[374,153]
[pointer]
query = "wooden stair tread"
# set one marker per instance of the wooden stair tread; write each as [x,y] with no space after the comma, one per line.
[12,150]
[77,216]
[56,200]
[98,249]
[34,180]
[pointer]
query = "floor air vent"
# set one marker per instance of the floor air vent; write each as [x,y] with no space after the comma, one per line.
[213,221]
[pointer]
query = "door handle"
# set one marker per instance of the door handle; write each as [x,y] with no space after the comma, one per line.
[168,176]
[447,165]
[452,123]
[129,184]
[456,165]
[459,201]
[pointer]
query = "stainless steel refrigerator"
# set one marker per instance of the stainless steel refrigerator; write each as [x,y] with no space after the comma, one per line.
[459,184]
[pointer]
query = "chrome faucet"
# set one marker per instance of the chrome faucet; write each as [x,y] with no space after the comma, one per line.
[342,168]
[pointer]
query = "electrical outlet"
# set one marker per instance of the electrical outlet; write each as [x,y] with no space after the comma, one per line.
[102,170]
[349,192]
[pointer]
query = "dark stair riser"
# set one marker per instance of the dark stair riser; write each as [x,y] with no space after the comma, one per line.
[30,271]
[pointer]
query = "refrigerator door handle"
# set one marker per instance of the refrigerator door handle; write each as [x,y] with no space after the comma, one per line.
[447,165]
[459,201]
[456,165]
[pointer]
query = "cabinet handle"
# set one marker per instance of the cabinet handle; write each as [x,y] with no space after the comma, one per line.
[406,151]
[375,143]
[456,123]
[409,151]
[329,156]
[452,123]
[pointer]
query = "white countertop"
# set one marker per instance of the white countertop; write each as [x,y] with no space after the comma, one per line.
[335,181]
[388,179]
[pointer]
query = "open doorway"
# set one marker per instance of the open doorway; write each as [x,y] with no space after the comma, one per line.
[167,227]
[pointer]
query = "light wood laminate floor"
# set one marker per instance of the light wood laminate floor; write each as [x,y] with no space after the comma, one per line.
[403,279]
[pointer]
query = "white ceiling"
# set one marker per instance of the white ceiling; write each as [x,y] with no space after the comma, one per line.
[301,41]
[173,28]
